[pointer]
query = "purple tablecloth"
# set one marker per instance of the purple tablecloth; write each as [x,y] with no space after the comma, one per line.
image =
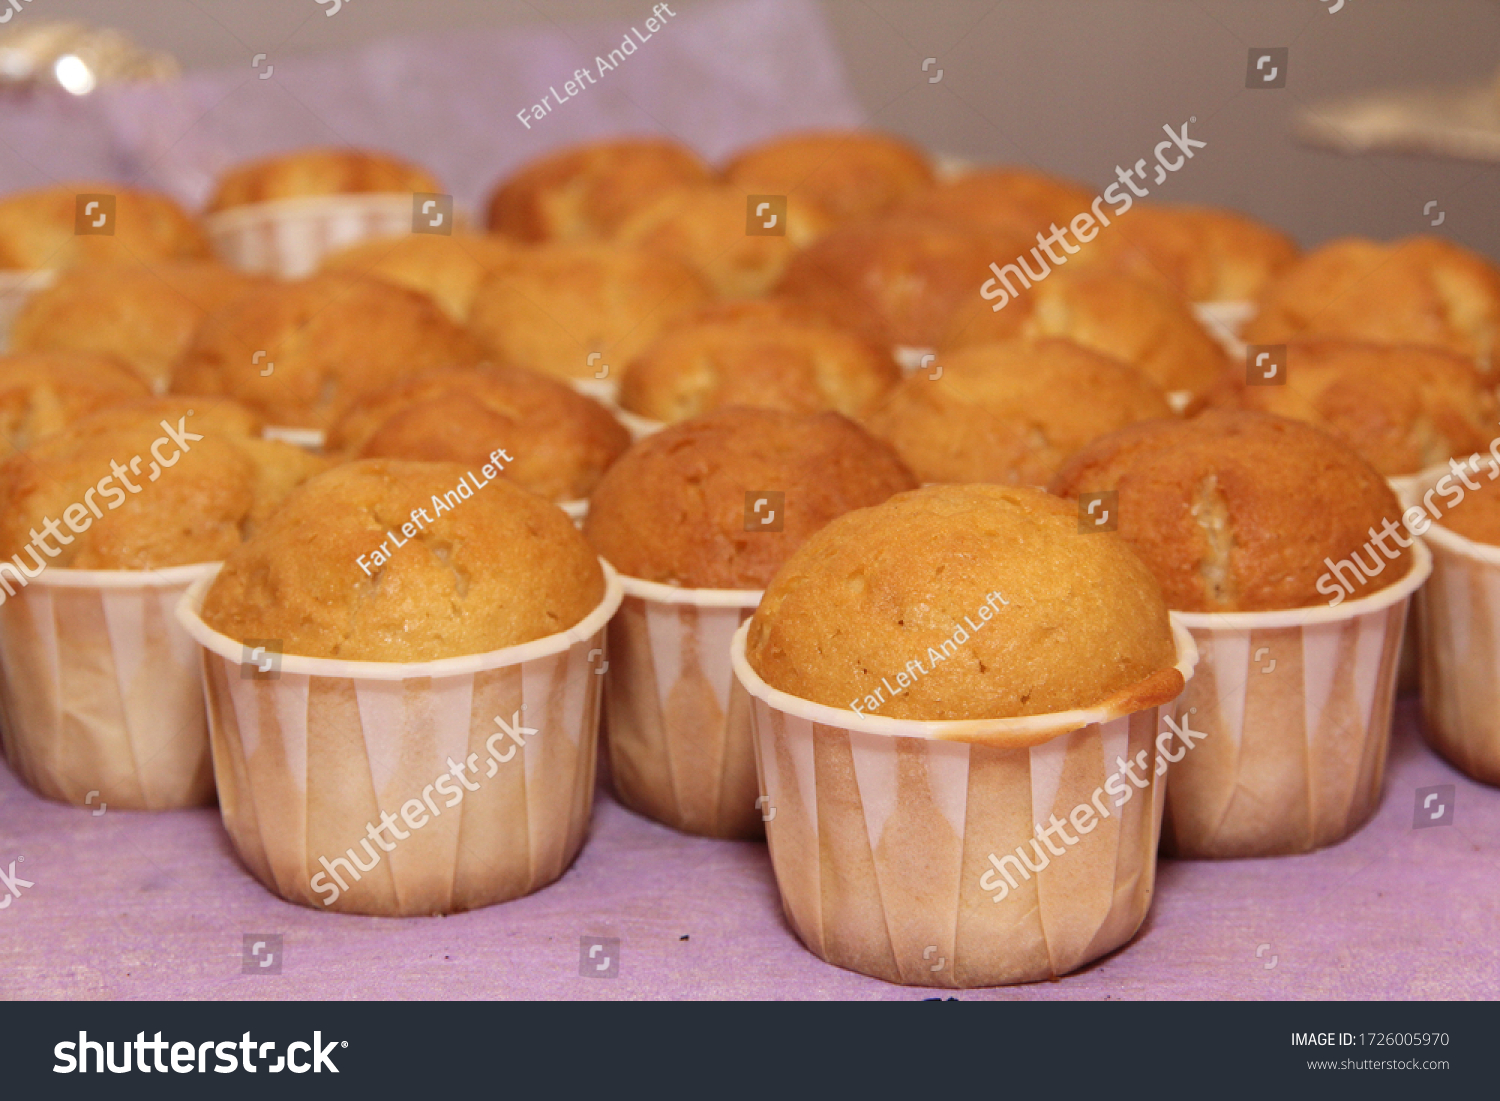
[133,905]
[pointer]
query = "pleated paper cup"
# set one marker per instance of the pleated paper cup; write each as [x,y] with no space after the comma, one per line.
[678,721]
[312,757]
[895,843]
[288,238]
[1408,489]
[1459,613]
[102,695]
[1296,706]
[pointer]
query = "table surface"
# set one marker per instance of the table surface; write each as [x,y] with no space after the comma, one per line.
[156,906]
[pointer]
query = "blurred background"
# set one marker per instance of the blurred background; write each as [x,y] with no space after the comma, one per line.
[1070,86]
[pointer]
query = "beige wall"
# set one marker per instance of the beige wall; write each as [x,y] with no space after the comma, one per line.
[1073,86]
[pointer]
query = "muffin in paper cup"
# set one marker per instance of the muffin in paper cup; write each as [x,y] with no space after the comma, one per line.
[288,238]
[312,755]
[1296,706]
[1459,615]
[103,701]
[678,721]
[895,842]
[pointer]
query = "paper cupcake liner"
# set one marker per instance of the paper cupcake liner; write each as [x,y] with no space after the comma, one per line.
[678,722]
[1408,489]
[1459,645]
[102,696]
[288,238]
[889,838]
[16,288]
[606,391]
[1296,706]
[309,760]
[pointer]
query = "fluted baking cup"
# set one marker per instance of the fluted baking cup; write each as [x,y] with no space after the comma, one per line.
[1459,646]
[910,851]
[1408,489]
[678,722]
[485,763]
[16,287]
[288,238]
[1296,705]
[103,701]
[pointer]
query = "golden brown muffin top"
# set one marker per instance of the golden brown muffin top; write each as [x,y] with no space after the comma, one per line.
[1139,321]
[1419,290]
[341,171]
[572,310]
[708,227]
[1402,407]
[148,484]
[680,507]
[41,228]
[325,340]
[498,568]
[1477,514]
[1016,202]
[848,173]
[586,192]
[561,442]
[42,392]
[1011,412]
[797,366]
[1237,511]
[1206,254]
[895,279]
[145,314]
[970,602]
[446,269]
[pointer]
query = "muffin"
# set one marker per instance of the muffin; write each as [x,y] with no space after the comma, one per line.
[895,280]
[446,269]
[195,508]
[1135,320]
[1280,550]
[560,441]
[1402,407]
[586,192]
[1236,511]
[43,392]
[706,227]
[798,366]
[848,173]
[1476,516]
[933,679]
[1205,254]
[326,340]
[42,228]
[881,584]
[144,314]
[1419,290]
[1016,202]
[1011,412]
[698,518]
[307,172]
[673,508]
[490,569]
[572,310]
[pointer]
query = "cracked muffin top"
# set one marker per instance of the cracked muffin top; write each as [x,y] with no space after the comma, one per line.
[1401,406]
[296,352]
[849,173]
[965,602]
[147,484]
[1011,412]
[680,507]
[1419,290]
[41,392]
[561,442]
[1236,511]
[366,563]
